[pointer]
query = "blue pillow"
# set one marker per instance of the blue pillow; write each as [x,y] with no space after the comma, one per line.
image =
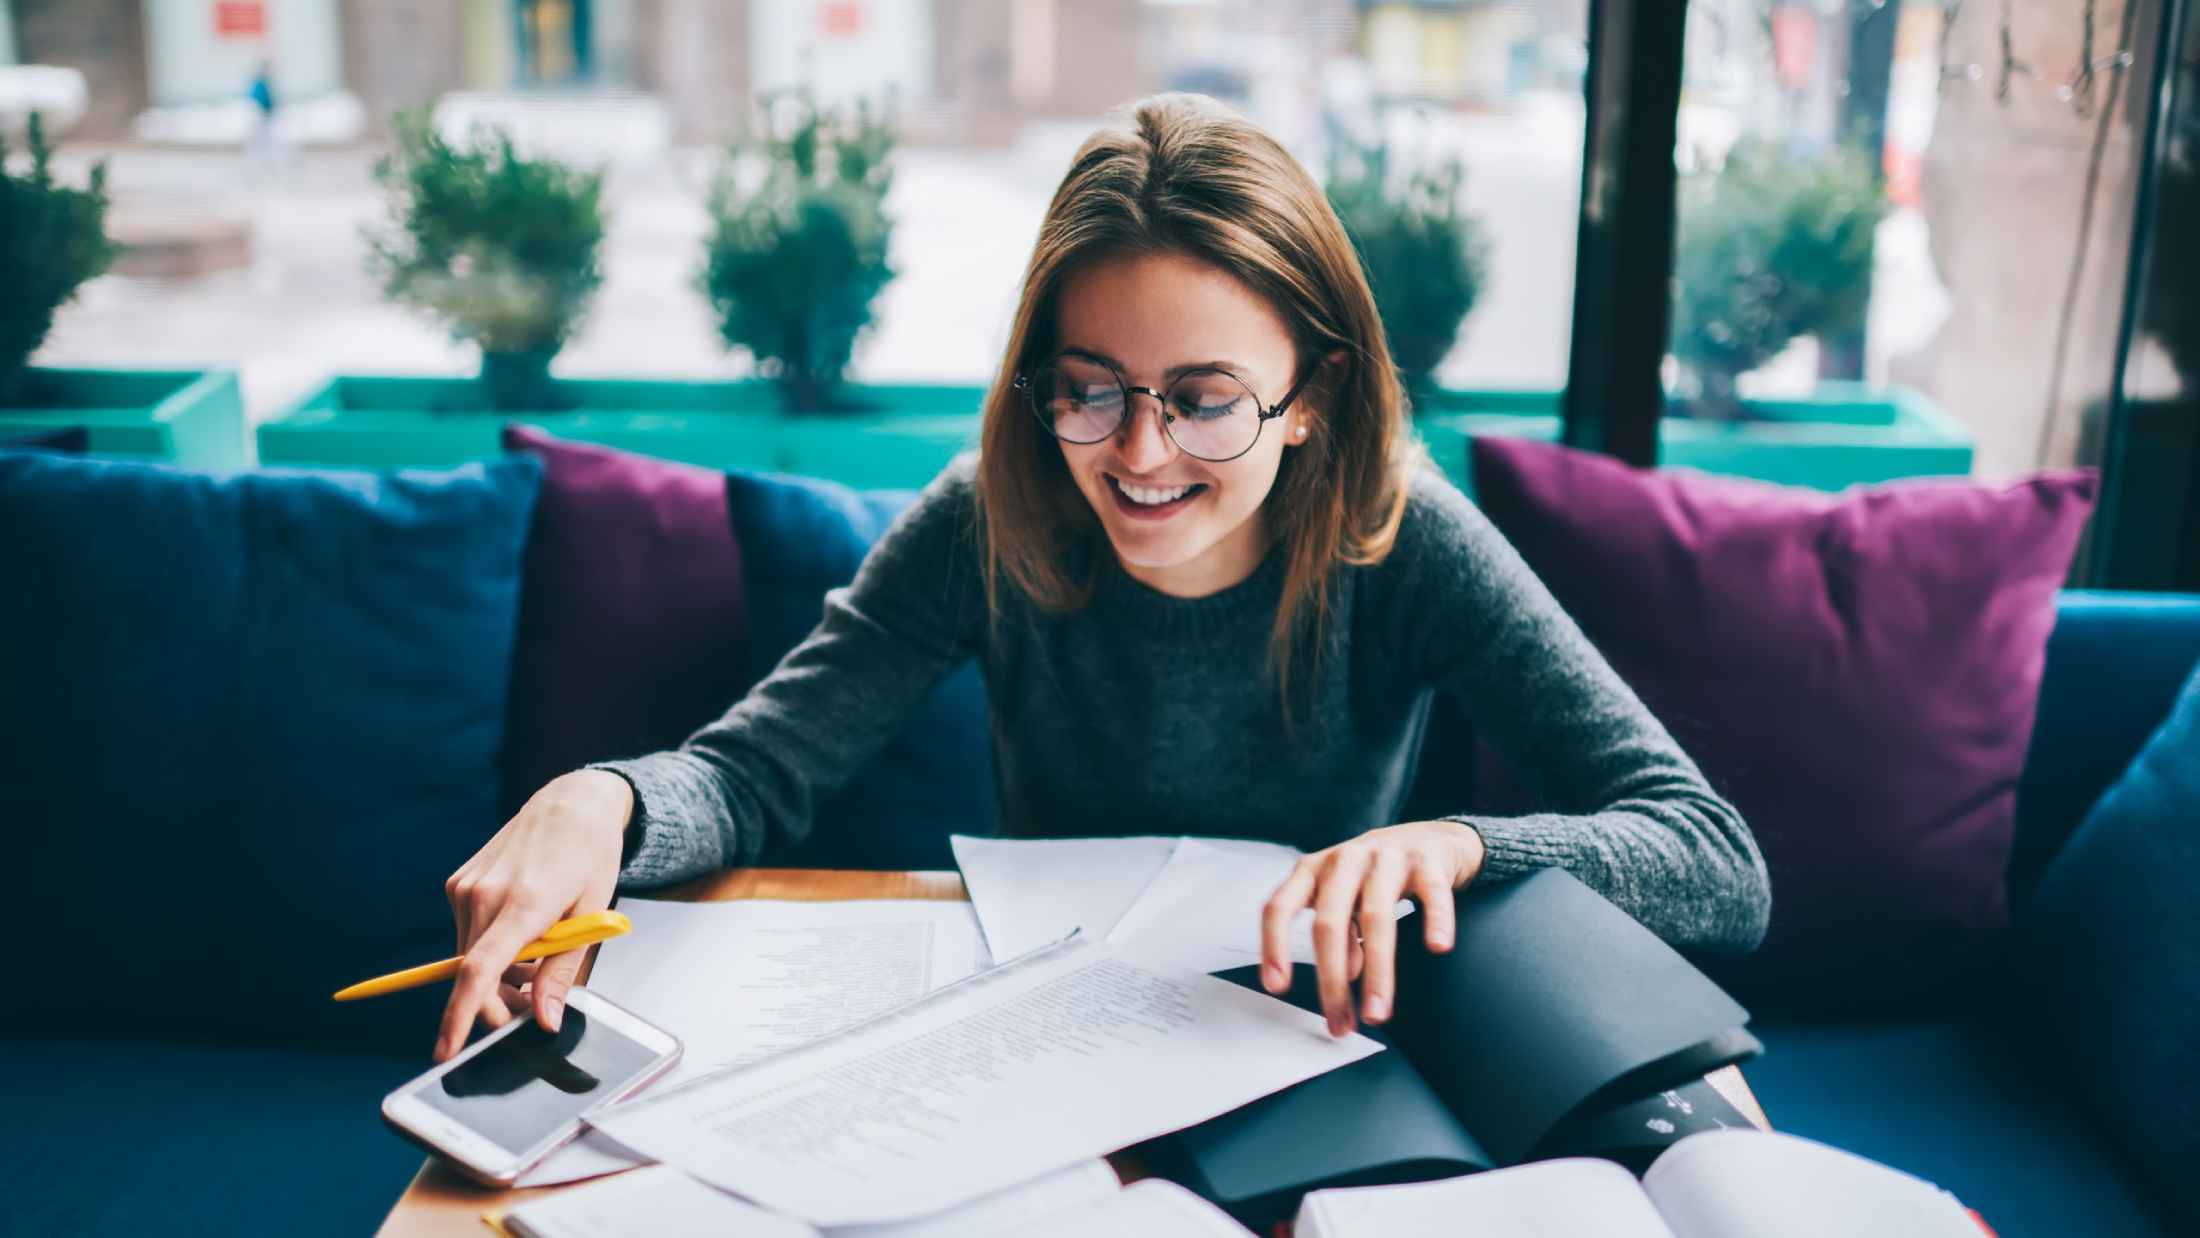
[2113,942]
[250,724]
[799,538]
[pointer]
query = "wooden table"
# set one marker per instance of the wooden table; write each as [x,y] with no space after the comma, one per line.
[440,1201]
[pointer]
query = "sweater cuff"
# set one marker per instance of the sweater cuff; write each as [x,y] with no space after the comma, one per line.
[1513,846]
[653,853]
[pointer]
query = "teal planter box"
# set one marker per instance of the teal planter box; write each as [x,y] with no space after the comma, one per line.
[1843,434]
[905,437]
[187,417]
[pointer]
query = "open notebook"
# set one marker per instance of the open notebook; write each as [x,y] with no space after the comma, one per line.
[1721,1184]
[1083,1201]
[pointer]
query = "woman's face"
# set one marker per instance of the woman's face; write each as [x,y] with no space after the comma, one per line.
[1153,316]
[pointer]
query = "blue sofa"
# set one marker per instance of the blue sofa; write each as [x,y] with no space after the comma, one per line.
[145,1130]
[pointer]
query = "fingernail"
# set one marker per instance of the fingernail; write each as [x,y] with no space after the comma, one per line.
[1272,977]
[1441,939]
[552,1011]
[1378,1007]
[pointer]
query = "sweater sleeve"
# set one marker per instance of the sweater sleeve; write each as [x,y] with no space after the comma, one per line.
[745,785]
[1634,817]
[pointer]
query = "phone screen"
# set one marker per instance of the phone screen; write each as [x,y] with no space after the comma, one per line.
[532,1082]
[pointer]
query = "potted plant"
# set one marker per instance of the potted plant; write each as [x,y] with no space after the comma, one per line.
[503,249]
[1768,248]
[798,243]
[1425,256]
[52,240]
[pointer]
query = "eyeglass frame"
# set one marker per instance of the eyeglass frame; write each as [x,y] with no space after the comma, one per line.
[1022,382]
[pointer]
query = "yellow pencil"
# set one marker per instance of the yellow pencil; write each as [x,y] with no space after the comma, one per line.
[557,939]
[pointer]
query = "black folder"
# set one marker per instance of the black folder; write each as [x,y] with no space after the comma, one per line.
[1553,1007]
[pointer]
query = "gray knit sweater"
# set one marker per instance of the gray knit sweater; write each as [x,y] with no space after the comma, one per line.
[1150,714]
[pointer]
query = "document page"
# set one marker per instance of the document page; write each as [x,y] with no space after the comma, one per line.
[658,1201]
[1150,1209]
[1030,891]
[1202,911]
[1736,1184]
[741,980]
[1021,1070]
[665,1203]
[1549,1199]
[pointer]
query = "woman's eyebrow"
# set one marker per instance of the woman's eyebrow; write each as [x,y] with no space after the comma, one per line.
[1174,371]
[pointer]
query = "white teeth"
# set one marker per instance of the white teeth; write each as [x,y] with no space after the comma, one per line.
[1151,498]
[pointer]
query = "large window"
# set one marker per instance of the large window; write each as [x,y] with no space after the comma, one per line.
[1911,192]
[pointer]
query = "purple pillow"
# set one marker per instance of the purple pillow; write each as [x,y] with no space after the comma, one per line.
[1856,673]
[632,625]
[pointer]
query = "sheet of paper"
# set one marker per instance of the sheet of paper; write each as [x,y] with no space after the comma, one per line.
[1736,1184]
[1202,911]
[1030,891]
[1549,1199]
[739,981]
[659,1201]
[1006,1214]
[1151,1209]
[1021,1070]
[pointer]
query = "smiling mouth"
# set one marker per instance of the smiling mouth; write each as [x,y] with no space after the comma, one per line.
[1154,497]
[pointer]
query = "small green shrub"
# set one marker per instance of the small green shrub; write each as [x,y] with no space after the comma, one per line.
[504,250]
[798,246]
[1425,256]
[52,239]
[1769,248]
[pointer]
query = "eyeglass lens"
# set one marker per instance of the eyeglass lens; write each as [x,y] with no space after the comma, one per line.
[1211,414]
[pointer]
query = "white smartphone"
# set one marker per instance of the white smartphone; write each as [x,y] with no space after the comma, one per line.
[517,1094]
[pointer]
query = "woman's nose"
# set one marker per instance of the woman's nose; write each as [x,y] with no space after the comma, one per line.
[1144,443]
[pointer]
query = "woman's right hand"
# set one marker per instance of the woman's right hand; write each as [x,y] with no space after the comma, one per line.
[558,858]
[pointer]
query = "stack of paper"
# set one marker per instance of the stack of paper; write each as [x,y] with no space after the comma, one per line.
[1031,1066]
[740,981]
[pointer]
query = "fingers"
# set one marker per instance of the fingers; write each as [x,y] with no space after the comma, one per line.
[1433,892]
[481,969]
[1378,924]
[1275,924]
[1333,929]
[551,984]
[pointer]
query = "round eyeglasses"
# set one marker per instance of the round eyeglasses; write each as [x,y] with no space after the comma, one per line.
[1209,414]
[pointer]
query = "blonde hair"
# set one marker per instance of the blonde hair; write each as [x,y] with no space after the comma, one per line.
[1181,173]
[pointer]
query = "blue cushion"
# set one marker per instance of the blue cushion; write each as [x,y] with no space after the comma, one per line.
[1957,1103]
[258,717]
[801,537]
[2112,939]
[127,1138]
[2114,663]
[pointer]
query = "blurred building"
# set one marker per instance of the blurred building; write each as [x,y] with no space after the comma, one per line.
[964,71]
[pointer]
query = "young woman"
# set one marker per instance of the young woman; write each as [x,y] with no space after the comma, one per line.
[1212,582]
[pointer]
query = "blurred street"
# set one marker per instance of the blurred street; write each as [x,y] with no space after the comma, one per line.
[965,219]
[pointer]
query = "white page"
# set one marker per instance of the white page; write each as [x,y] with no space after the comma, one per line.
[740,980]
[1150,1209]
[1574,1198]
[1738,1184]
[1005,1214]
[1202,912]
[662,1200]
[1021,1070]
[659,1201]
[1030,891]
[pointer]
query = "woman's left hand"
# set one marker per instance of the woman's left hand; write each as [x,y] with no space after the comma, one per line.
[1354,888]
